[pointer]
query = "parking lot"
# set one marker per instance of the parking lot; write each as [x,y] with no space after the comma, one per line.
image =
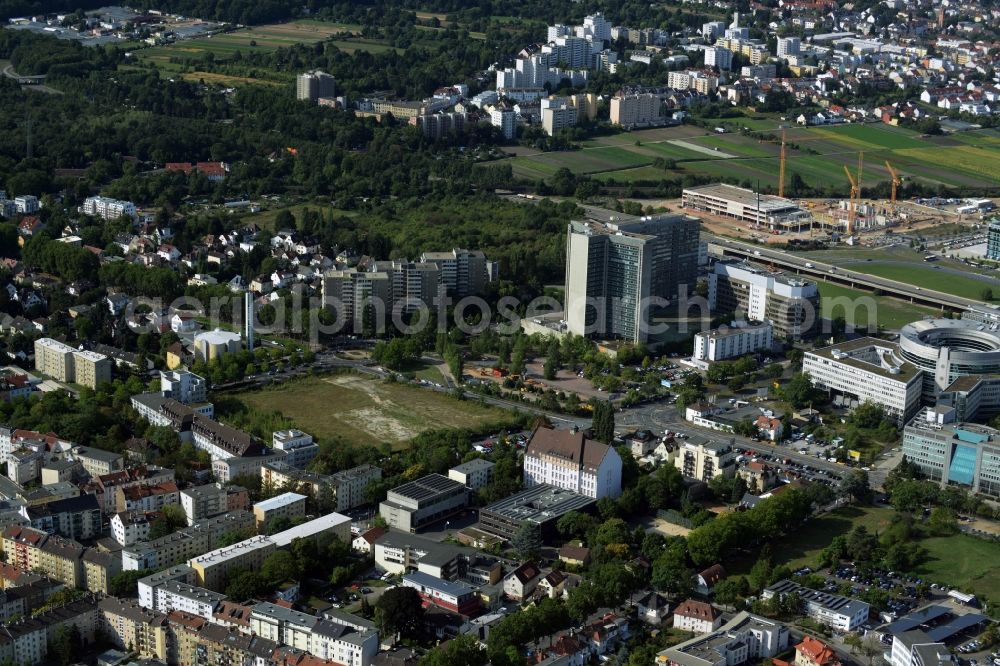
[789,469]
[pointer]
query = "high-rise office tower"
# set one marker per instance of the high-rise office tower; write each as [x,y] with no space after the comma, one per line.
[614,269]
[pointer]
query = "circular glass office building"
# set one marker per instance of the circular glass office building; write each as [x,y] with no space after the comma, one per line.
[946,349]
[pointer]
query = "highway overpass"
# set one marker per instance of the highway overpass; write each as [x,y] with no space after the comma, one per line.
[796,264]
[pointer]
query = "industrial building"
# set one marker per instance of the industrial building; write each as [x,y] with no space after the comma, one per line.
[743,205]
[426,500]
[540,504]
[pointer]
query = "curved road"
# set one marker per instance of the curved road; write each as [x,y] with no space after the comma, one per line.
[9,72]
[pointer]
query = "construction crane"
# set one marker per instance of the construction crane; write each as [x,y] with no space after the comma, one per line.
[855,194]
[781,167]
[896,182]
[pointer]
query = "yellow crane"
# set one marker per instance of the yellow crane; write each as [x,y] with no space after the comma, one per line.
[896,182]
[781,167]
[855,194]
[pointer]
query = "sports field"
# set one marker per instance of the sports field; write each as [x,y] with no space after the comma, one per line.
[817,154]
[364,410]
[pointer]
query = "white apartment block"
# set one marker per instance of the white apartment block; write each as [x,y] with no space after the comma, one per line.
[176,595]
[698,617]
[336,637]
[299,447]
[148,586]
[506,121]
[789,46]
[473,474]
[838,612]
[705,460]
[723,343]
[27,204]
[107,208]
[916,648]
[719,56]
[700,82]
[130,527]
[184,386]
[866,369]
[566,459]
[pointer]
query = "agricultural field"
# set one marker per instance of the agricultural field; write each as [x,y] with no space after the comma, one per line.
[368,410]
[817,154]
[271,37]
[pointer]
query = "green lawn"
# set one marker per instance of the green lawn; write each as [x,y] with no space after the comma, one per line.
[803,546]
[964,562]
[926,277]
[889,312]
[365,410]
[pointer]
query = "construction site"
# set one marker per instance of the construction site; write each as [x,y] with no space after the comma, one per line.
[725,208]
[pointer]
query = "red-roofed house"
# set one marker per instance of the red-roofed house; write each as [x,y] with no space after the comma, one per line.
[363,542]
[769,427]
[697,616]
[813,652]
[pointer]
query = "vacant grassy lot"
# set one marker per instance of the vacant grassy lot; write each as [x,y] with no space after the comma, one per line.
[888,312]
[367,410]
[964,562]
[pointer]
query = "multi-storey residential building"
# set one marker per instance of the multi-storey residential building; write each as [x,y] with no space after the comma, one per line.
[186,543]
[98,462]
[462,272]
[993,241]
[866,370]
[360,299]
[719,56]
[631,110]
[27,642]
[73,517]
[149,585]
[212,568]
[744,639]
[838,612]
[558,117]
[107,208]
[569,460]
[62,560]
[27,203]
[99,568]
[789,46]
[723,343]
[349,485]
[699,617]
[788,302]
[184,386]
[22,546]
[298,446]
[285,505]
[619,273]
[424,501]
[311,86]
[129,625]
[504,119]
[706,459]
[473,474]
[952,452]
[436,126]
[176,595]
[66,364]
[146,498]
[200,502]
